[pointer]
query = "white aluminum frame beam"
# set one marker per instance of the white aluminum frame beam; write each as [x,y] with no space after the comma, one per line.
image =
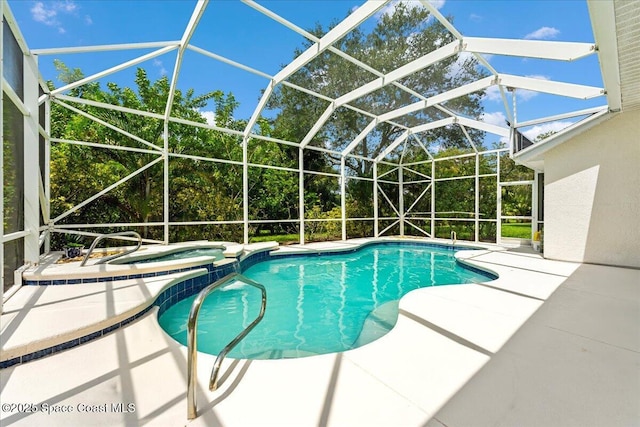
[198,11]
[108,125]
[389,201]
[421,144]
[476,86]
[603,22]
[343,28]
[445,22]
[466,134]
[112,70]
[228,61]
[361,136]
[570,90]
[106,146]
[399,140]
[331,49]
[401,72]
[103,48]
[569,115]
[13,96]
[433,125]
[487,127]
[417,200]
[31,161]
[13,25]
[318,125]
[541,49]
[106,190]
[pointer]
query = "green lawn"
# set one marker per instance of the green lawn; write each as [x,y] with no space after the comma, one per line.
[291,238]
[520,231]
[280,238]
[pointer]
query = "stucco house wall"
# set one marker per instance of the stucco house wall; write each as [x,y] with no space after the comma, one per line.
[592,195]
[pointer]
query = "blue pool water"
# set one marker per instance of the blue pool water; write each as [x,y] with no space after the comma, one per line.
[187,253]
[319,304]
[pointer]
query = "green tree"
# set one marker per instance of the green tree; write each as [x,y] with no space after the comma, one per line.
[78,171]
[397,38]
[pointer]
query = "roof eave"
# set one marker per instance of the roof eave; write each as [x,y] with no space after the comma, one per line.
[533,156]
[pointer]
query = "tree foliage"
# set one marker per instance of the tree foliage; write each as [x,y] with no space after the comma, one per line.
[78,172]
[210,191]
[397,38]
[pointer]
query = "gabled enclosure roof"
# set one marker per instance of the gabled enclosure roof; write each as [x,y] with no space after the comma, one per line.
[504,83]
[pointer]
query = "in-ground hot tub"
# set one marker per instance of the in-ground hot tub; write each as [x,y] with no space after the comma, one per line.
[149,261]
[172,255]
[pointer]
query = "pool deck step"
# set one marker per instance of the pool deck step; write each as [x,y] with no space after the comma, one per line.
[38,318]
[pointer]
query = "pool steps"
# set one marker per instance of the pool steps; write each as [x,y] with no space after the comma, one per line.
[135,297]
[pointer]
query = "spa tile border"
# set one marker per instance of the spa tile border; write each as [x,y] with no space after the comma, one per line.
[78,281]
[71,343]
[163,301]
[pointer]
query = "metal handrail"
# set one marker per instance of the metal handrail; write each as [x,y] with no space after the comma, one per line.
[111,236]
[454,237]
[192,324]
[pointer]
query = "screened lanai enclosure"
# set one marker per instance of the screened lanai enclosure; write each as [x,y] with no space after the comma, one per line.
[376,127]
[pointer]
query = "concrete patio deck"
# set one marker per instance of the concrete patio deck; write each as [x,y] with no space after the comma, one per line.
[548,343]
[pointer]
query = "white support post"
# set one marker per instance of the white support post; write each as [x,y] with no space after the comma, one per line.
[433,198]
[477,199]
[343,197]
[301,192]
[245,190]
[245,158]
[498,202]
[512,134]
[534,204]
[165,156]
[401,198]
[31,162]
[2,154]
[375,200]
[47,170]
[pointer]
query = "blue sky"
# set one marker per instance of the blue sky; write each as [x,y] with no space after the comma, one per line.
[236,31]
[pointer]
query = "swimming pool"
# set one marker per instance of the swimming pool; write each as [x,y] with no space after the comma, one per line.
[319,304]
